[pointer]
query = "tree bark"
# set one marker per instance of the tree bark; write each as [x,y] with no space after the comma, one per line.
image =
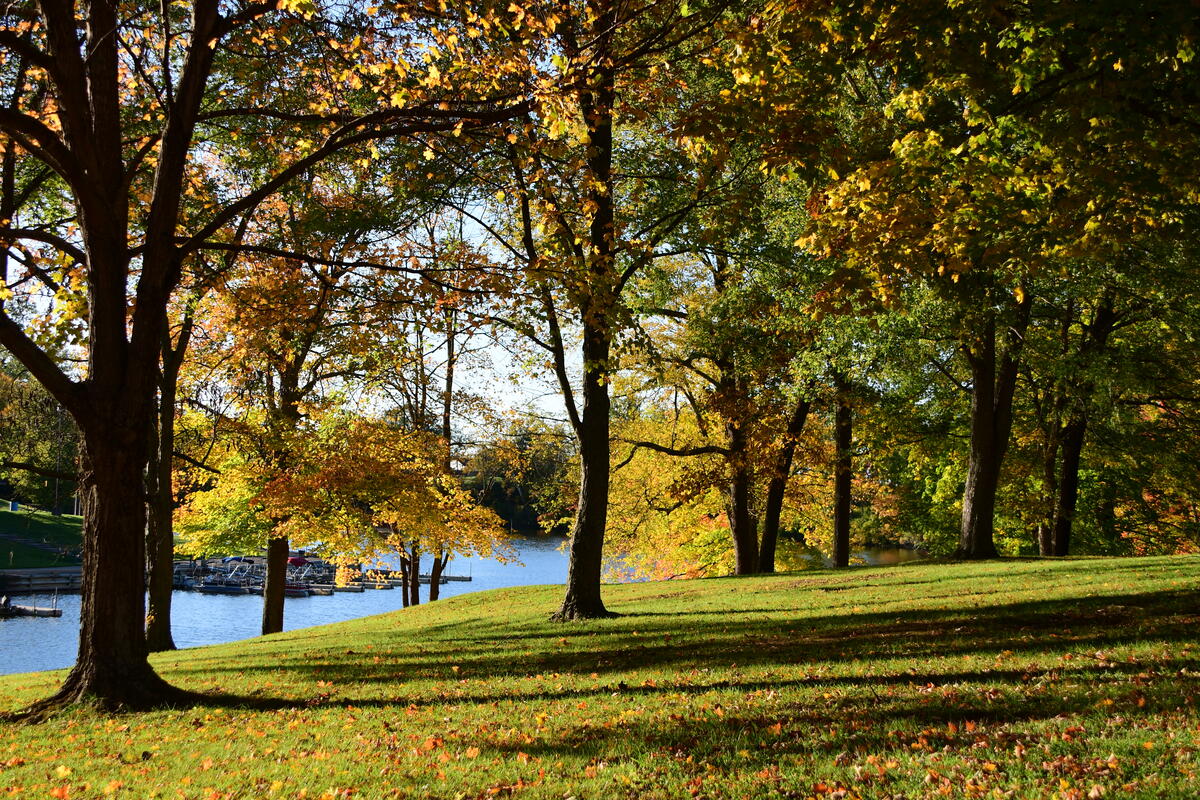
[994,380]
[435,575]
[405,571]
[586,554]
[160,538]
[777,488]
[1045,528]
[1068,484]
[741,520]
[414,577]
[277,557]
[1075,431]
[112,665]
[843,439]
[983,465]
[160,542]
[597,306]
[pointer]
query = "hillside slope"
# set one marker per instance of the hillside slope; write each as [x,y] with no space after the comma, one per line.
[1066,679]
[31,539]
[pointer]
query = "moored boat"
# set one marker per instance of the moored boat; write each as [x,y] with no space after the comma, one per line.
[220,587]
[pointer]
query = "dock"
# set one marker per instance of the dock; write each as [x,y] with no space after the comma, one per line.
[28,611]
[47,579]
[445,578]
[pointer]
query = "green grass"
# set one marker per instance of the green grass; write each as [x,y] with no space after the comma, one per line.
[62,532]
[1047,679]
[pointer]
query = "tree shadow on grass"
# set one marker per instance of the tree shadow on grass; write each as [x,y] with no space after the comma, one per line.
[719,640]
[43,710]
[1183,674]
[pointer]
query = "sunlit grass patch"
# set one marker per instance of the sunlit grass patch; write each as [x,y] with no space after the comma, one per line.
[1068,679]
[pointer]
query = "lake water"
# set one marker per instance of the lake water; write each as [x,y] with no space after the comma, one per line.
[32,644]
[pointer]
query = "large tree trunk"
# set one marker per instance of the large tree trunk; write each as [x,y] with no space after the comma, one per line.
[586,553]
[597,307]
[843,439]
[277,558]
[1075,431]
[283,418]
[1045,528]
[112,665]
[983,465]
[160,537]
[741,520]
[994,381]
[1068,492]
[777,488]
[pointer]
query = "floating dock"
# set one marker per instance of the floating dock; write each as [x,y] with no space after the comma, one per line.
[29,611]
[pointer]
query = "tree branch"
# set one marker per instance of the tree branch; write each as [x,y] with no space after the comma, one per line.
[70,394]
[41,472]
[10,235]
[685,452]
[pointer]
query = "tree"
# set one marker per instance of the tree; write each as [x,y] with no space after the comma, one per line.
[283,332]
[422,344]
[38,443]
[106,129]
[1001,153]
[528,475]
[361,488]
[594,184]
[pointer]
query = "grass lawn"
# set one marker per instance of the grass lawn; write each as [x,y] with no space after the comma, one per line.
[40,526]
[1048,679]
